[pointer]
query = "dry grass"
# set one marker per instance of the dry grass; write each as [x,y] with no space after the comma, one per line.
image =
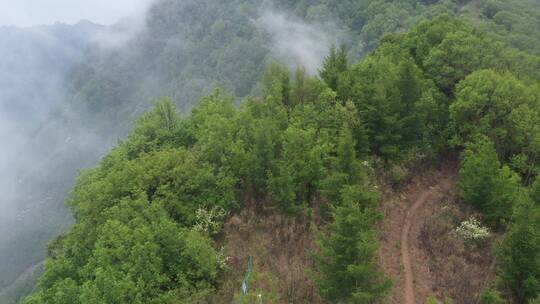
[461,271]
[444,266]
[281,247]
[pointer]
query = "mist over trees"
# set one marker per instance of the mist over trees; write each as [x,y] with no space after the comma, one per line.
[183,50]
[465,76]
[35,61]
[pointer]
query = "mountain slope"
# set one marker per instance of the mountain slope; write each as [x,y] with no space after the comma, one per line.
[149,216]
[35,62]
[189,47]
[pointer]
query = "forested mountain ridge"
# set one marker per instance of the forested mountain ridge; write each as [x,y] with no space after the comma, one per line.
[185,49]
[169,58]
[149,216]
[228,44]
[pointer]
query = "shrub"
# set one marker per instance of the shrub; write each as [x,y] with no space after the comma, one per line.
[491,296]
[487,185]
[210,220]
[472,231]
[398,175]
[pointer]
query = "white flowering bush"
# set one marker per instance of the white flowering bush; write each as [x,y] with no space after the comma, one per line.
[222,259]
[472,230]
[210,220]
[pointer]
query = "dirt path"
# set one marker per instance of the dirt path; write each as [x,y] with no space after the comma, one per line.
[412,218]
[408,295]
[419,250]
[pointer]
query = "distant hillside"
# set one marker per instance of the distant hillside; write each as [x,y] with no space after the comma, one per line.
[33,66]
[34,63]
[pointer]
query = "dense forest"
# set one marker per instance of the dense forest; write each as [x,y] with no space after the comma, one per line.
[402,83]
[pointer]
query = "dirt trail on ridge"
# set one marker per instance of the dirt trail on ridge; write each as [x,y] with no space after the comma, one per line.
[431,194]
[400,256]
[408,295]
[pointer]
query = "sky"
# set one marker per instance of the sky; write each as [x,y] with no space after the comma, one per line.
[37,12]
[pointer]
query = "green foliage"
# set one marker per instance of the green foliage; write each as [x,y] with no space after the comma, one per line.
[334,65]
[498,106]
[189,48]
[277,84]
[383,17]
[491,296]
[395,100]
[347,261]
[133,241]
[534,191]
[156,129]
[515,22]
[519,256]
[458,55]
[300,169]
[145,216]
[398,175]
[487,185]
[347,169]
[434,300]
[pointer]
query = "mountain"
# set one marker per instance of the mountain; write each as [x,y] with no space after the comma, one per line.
[184,49]
[280,198]
[35,63]
[39,57]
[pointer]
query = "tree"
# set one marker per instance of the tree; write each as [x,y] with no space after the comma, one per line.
[346,168]
[276,83]
[519,256]
[487,185]
[334,65]
[300,169]
[486,104]
[458,55]
[156,129]
[534,191]
[399,107]
[346,263]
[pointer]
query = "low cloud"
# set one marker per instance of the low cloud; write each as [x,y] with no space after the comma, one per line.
[36,12]
[43,145]
[295,42]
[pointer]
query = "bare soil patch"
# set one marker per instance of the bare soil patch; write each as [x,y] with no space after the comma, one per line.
[420,251]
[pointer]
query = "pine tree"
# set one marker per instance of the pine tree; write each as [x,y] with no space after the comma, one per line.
[346,262]
[486,184]
[333,66]
[520,256]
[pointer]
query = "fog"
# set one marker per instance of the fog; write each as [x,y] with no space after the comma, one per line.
[24,13]
[295,42]
[42,146]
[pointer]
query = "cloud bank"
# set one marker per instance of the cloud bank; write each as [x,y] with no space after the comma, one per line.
[295,42]
[37,12]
